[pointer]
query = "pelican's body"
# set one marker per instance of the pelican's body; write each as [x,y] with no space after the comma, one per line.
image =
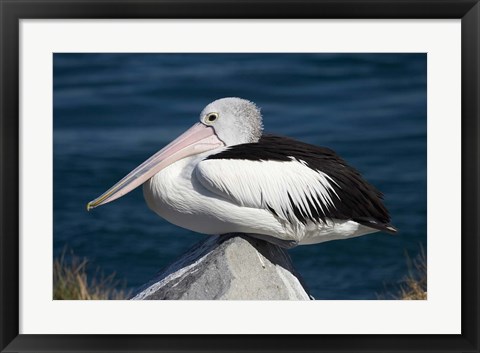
[224,176]
[177,195]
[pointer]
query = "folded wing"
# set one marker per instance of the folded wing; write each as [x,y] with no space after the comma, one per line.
[296,182]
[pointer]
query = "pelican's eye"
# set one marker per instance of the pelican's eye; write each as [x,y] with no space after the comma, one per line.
[211,117]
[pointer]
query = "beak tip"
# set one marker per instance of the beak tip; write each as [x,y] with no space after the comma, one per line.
[90,206]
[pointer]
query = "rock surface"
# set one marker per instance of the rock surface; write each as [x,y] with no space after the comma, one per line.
[229,267]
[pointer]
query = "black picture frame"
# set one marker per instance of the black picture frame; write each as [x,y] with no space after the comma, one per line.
[11,11]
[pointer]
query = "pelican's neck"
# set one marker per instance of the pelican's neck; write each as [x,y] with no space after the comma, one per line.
[200,157]
[185,166]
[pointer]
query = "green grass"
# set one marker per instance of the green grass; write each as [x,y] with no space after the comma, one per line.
[71,282]
[415,284]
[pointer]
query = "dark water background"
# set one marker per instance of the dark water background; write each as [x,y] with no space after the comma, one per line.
[112,111]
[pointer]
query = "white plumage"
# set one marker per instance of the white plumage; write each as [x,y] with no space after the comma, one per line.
[267,184]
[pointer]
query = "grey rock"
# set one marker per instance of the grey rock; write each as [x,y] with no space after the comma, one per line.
[232,267]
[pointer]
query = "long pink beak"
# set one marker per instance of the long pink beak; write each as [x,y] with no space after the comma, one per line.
[198,139]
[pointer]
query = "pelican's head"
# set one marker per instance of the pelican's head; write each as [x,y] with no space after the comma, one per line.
[224,122]
[234,120]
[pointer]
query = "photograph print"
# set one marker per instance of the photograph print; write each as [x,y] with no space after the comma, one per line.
[240,176]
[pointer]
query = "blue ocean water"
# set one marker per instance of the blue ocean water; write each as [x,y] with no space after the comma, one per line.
[112,111]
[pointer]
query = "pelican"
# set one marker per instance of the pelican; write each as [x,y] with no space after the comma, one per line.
[223,175]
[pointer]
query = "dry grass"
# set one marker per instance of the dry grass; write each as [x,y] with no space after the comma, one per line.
[70,281]
[415,284]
